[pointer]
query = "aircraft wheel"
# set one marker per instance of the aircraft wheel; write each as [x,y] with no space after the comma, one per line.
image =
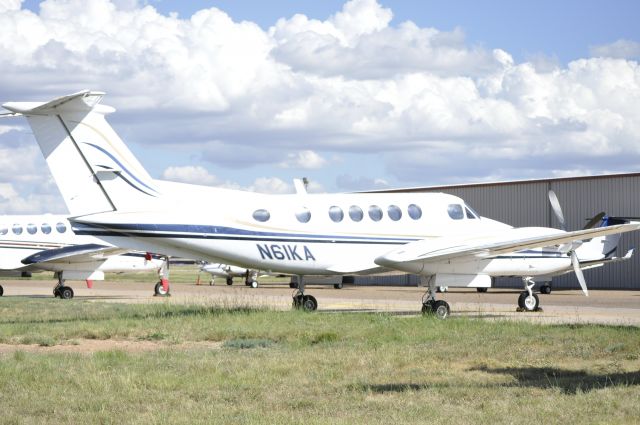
[441,289]
[338,285]
[1,290]
[482,290]
[309,303]
[545,289]
[229,281]
[159,290]
[427,307]
[254,284]
[531,302]
[56,291]
[441,309]
[66,293]
[523,295]
[297,301]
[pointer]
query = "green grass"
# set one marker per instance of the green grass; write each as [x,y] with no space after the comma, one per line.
[295,367]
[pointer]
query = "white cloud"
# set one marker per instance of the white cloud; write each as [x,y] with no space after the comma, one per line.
[190,174]
[424,102]
[620,49]
[305,159]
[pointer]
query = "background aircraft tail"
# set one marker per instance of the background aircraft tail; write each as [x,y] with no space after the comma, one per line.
[93,168]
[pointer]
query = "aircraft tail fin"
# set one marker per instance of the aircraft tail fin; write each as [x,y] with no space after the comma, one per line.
[93,168]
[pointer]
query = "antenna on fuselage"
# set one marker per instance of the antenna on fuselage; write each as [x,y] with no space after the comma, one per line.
[301,185]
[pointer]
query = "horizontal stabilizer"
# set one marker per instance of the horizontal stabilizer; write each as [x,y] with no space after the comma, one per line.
[77,102]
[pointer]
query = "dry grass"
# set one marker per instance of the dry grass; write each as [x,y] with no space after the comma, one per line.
[290,367]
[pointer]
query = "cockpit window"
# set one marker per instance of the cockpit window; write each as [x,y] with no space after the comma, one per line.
[471,213]
[261,215]
[61,228]
[455,211]
[414,211]
[32,228]
[336,214]
[46,229]
[304,215]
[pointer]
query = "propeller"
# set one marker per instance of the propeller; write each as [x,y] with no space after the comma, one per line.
[595,220]
[557,209]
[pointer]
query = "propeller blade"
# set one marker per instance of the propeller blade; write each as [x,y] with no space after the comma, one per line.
[595,220]
[557,209]
[576,268]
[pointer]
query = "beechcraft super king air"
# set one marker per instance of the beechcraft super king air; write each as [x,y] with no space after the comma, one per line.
[434,235]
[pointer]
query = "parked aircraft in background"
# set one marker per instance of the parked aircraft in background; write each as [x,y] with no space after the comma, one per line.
[229,272]
[434,235]
[45,242]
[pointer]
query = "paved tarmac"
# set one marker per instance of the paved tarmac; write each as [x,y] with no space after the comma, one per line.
[603,307]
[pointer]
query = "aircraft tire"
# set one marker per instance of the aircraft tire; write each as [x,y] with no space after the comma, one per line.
[523,295]
[159,290]
[427,307]
[56,291]
[441,309]
[1,290]
[482,290]
[254,284]
[338,285]
[545,289]
[297,301]
[229,281]
[66,293]
[309,303]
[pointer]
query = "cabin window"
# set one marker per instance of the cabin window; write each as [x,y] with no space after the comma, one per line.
[455,211]
[304,215]
[32,228]
[336,214]
[3,230]
[415,212]
[355,212]
[46,229]
[375,213]
[395,213]
[16,229]
[61,228]
[261,215]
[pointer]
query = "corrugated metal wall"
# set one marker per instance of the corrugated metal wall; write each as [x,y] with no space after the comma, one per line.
[526,204]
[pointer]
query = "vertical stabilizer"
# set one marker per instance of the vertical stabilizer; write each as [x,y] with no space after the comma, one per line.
[91,165]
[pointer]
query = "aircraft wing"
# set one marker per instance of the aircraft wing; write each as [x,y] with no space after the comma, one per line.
[473,248]
[74,254]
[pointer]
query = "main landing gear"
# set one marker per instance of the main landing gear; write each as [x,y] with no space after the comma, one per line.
[251,279]
[162,287]
[302,301]
[61,291]
[439,308]
[528,301]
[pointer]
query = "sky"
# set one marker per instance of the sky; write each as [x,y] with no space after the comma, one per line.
[353,95]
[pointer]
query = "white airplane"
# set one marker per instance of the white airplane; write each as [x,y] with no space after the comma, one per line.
[434,235]
[45,242]
[228,272]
